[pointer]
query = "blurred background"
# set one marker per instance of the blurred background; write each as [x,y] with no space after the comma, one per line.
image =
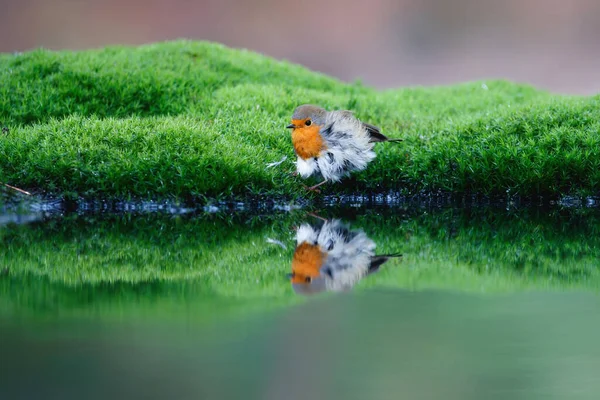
[552,44]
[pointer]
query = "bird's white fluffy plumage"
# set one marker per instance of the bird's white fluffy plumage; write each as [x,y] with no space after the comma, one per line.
[306,168]
[348,148]
[348,253]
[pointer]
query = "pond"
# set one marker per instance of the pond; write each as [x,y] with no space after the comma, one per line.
[276,300]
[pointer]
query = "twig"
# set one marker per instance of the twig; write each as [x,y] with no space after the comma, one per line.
[17,189]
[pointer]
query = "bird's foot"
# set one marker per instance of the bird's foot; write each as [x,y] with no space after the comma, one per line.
[314,188]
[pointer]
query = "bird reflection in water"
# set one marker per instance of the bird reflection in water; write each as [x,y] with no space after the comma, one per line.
[329,256]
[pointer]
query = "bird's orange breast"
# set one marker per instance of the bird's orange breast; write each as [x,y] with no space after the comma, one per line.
[307,262]
[307,141]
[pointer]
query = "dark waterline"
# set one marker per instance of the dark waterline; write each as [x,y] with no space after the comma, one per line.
[12,203]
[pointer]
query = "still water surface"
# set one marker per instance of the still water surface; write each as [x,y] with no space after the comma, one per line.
[483,303]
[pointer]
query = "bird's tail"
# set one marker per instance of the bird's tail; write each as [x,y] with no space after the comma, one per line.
[378,261]
[395,140]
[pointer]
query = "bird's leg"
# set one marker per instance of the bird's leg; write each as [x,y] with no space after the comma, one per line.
[315,188]
[317,216]
[317,185]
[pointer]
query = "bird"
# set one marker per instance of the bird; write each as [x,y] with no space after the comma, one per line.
[332,144]
[330,256]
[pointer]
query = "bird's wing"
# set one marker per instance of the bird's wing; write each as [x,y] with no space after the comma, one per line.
[373,131]
[341,125]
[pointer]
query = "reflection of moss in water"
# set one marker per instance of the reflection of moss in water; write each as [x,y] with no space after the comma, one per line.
[37,296]
[225,255]
[489,250]
[493,250]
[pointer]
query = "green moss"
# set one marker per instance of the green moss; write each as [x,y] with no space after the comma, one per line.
[188,119]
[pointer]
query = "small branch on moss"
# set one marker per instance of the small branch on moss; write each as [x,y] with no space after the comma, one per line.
[17,189]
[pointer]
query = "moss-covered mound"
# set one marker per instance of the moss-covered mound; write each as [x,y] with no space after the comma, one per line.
[193,119]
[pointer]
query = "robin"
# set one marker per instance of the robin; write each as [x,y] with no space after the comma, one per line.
[331,256]
[332,143]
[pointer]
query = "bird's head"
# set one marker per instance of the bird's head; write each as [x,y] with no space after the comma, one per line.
[308,116]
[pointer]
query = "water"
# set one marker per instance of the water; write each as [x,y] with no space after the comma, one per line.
[179,302]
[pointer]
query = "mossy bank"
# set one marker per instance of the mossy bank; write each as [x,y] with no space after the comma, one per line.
[192,119]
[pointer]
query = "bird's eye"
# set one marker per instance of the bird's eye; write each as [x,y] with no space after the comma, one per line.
[308,279]
[308,122]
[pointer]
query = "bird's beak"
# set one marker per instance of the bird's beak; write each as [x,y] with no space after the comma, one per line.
[290,126]
[289,276]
